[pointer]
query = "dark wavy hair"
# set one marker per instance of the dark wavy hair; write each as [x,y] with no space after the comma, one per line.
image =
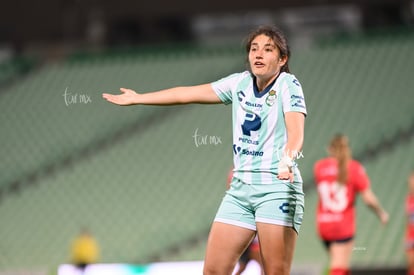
[277,37]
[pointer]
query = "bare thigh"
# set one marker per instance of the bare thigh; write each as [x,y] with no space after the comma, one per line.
[410,260]
[277,244]
[225,245]
[340,254]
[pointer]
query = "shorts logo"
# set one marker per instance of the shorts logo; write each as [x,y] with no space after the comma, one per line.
[284,207]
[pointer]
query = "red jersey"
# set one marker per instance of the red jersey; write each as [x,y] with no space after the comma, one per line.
[336,209]
[409,209]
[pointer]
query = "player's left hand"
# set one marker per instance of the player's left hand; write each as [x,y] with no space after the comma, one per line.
[285,169]
[286,176]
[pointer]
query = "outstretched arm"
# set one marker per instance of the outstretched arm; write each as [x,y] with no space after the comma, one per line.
[372,202]
[178,95]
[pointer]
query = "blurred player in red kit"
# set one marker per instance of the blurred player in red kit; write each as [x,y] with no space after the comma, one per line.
[409,236]
[339,179]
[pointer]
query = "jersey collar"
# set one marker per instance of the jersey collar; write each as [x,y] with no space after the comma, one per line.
[266,90]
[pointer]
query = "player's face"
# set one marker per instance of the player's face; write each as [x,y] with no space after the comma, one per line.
[264,57]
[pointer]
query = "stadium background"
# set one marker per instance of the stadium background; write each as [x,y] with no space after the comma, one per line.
[147,180]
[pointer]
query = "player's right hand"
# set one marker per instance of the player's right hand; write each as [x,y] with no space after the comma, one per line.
[127,97]
[384,217]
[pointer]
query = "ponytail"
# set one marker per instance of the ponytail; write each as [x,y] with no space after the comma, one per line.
[340,150]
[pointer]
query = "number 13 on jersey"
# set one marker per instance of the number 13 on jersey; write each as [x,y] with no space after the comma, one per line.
[333,196]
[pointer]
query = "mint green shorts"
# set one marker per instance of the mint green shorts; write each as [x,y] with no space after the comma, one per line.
[280,203]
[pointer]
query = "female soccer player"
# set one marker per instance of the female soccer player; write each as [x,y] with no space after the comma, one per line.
[409,236]
[268,130]
[339,178]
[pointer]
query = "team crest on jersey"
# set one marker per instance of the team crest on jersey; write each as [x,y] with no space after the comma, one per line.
[271,98]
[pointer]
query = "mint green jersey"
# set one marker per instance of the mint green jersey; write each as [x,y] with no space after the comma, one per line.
[259,129]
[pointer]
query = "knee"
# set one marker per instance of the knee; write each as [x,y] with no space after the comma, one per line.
[276,268]
[210,269]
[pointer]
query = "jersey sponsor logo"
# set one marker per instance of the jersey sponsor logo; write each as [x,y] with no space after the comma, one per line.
[248,141]
[297,101]
[252,153]
[296,82]
[330,217]
[238,150]
[271,98]
[299,97]
[258,106]
[298,105]
[252,122]
[240,95]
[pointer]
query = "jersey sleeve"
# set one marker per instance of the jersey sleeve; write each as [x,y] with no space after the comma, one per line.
[224,87]
[292,94]
[363,181]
